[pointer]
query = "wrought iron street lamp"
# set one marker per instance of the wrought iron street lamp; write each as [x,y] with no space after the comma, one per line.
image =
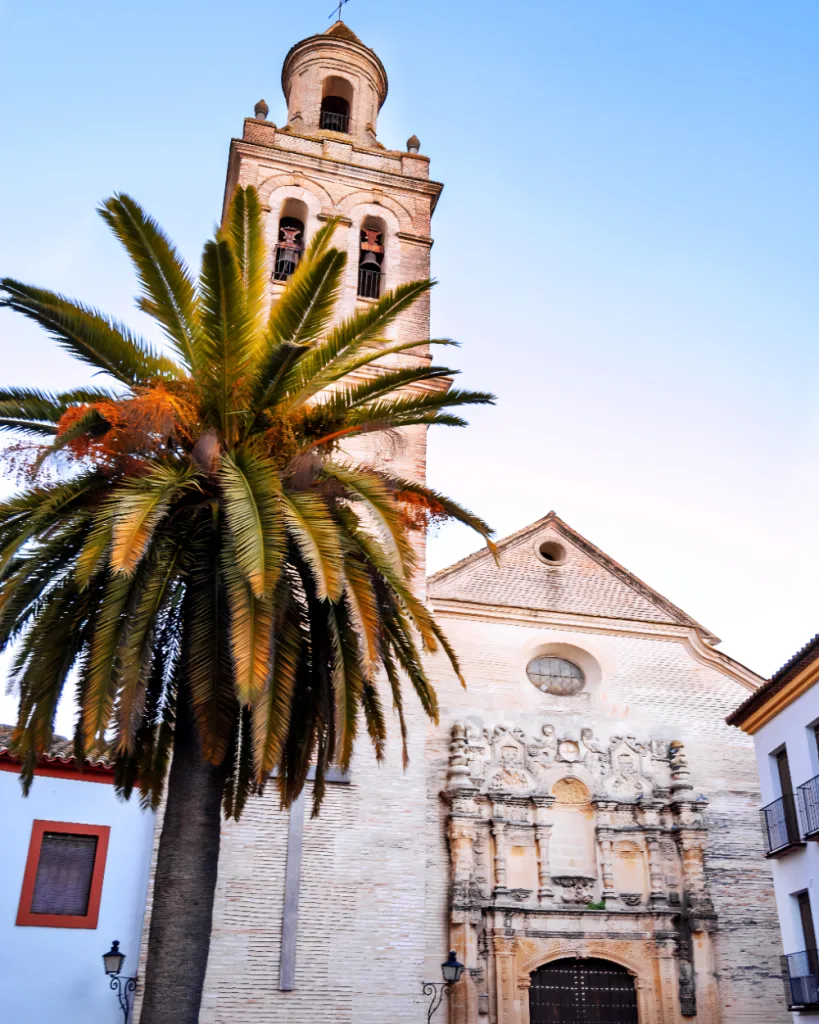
[451,971]
[112,962]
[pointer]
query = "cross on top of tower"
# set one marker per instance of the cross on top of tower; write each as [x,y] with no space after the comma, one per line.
[337,11]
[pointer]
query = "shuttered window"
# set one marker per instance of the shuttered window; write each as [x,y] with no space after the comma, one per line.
[64,873]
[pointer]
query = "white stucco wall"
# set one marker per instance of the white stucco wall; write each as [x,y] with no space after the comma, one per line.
[798,870]
[56,974]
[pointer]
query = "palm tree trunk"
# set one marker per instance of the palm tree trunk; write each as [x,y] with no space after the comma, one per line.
[185,882]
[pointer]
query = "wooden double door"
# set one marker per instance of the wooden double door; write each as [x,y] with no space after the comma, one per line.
[589,991]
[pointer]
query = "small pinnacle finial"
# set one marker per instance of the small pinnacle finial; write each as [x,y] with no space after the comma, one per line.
[261,110]
[337,10]
[413,144]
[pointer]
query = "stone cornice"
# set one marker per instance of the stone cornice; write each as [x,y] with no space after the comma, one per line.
[689,637]
[290,159]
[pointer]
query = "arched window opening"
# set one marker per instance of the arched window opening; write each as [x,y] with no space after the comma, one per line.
[371,259]
[337,97]
[290,244]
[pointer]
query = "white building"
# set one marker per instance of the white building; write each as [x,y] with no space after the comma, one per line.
[783,718]
[74,863]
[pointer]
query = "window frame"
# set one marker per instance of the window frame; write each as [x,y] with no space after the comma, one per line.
[25,918]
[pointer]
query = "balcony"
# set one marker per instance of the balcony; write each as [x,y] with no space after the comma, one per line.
[780,827]
[333,122]
[800,972]
[286,260]
[808,797]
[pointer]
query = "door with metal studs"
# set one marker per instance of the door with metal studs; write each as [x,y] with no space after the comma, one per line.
[589,991]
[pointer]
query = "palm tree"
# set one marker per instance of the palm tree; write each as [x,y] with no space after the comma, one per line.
[194,551]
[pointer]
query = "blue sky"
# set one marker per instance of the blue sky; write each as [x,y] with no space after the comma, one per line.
[627,247]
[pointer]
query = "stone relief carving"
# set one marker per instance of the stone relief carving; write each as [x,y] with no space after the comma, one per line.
[575,888]
[514,796]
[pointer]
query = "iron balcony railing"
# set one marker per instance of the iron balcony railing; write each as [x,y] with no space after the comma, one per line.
[369,283]
[800,972]
[780,826]
[335,122]
[808,796]
[286,260]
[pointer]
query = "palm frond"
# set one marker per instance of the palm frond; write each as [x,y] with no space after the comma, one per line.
[310,524]
[138,506]
[227,335]
[46,406]
[251,624]
[244,231]
[443,505]
[360,595]
[370,489]
[307,304]
[250,487]
[168,295]
[27,427]
[327,361]
[100,682]
[137,648]
[271,714]
[91,337]
[207,667]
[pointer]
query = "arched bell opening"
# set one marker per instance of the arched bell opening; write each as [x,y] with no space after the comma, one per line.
[371,258]
[290,242]
[336,103]
[574,991]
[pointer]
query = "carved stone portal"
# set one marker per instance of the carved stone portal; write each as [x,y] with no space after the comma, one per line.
[571,846]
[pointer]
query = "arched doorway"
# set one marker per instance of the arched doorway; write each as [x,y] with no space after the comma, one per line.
[589,991]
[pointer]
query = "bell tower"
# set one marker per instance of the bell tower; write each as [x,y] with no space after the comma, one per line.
[327,161]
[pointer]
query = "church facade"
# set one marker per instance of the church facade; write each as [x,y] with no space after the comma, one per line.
[581,827]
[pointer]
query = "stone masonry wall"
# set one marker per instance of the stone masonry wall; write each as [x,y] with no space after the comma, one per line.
[651,686]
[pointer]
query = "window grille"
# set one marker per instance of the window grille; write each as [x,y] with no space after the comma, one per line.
[555,675]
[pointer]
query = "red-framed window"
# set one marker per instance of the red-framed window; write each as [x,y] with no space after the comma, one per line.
[62,883]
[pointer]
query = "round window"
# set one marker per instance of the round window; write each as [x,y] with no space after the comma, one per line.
[555,675]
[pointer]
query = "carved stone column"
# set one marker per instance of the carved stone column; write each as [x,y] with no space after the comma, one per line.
[605,840]
[461,841]
[543,835]
[655,867]
[499,835]
[669,997]
[505,981]
[524,984]
[699,909]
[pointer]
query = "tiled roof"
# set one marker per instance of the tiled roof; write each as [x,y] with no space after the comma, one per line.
[60,752]
[792,667]
[341,31]
[600,585]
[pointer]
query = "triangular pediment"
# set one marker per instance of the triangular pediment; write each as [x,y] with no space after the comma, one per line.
[575,577]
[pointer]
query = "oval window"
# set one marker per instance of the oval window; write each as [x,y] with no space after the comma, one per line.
[555,675]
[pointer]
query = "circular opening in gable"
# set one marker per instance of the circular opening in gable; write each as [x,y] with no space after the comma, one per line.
[552,553]
[555,675]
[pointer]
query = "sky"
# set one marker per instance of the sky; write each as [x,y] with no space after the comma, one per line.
[627,248]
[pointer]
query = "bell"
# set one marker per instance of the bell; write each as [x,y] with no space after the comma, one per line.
[369,261]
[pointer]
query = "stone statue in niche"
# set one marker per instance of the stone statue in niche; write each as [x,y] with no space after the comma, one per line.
[510,775]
